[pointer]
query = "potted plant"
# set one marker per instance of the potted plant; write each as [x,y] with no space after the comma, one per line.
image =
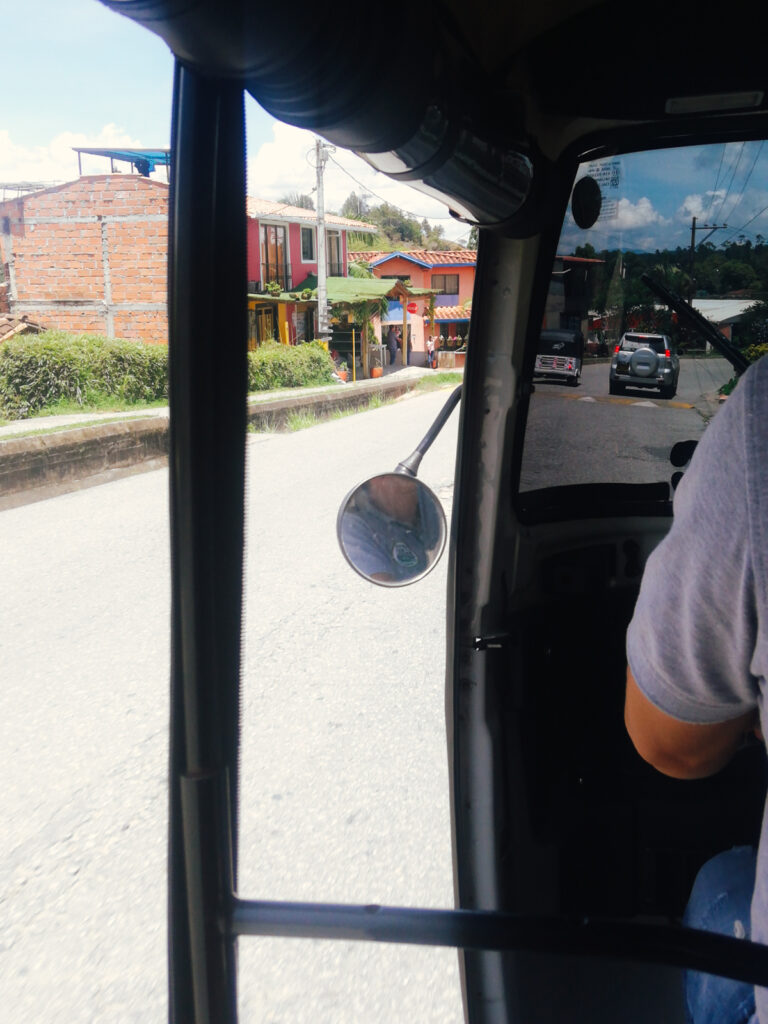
[343,371]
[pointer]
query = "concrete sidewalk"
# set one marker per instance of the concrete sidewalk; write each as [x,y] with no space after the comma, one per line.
[69,452]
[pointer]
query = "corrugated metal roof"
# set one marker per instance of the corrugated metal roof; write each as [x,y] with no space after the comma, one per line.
[722,311]
[258,208]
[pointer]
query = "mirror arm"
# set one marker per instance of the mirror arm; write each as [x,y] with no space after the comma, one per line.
[410,466]
[701,325]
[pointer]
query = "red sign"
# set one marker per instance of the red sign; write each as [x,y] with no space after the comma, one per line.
[412,307]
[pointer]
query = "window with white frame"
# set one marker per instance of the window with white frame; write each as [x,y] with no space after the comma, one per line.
[308,254]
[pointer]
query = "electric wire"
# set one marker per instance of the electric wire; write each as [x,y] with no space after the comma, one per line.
[746,182]
[730,184]
[738,231]
[717,181]
[399,209]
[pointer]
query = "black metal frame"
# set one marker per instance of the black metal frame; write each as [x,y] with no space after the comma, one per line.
[208,372]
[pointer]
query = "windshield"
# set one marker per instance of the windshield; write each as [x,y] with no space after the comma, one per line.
[632,403]
[559,343]
[632,342]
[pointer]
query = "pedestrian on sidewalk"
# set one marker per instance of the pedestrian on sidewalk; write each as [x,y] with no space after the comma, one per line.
[431,361]
[392,344]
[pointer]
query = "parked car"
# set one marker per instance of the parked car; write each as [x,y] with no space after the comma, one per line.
[644,361]
[560,356]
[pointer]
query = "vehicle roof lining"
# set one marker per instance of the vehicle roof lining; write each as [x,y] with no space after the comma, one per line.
[564,53]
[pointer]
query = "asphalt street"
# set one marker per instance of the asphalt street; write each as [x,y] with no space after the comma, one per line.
[344,774]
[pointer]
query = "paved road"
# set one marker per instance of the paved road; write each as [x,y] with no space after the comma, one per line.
[344,790]
[584,435]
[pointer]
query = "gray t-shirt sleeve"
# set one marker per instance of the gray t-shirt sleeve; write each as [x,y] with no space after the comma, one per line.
[692,640]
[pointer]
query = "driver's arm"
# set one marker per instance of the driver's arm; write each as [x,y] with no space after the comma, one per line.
[681,749]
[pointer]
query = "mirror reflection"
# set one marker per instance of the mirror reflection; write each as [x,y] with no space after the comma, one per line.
[391,529]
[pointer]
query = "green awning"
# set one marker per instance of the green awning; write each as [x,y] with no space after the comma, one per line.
[362,289]
[310,281]
[357,289]
[351,290]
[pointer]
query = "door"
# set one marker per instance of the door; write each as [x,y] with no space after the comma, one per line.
[274,256]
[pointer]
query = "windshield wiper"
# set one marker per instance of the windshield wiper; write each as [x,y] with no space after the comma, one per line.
[699,323]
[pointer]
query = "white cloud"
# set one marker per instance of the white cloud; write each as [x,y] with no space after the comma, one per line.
[699,205]
[287,164]
[56,161]
[636,215]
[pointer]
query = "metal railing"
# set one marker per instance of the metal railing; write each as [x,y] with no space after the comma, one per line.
[280,272]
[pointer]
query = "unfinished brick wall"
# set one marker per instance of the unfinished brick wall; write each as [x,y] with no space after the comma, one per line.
[90,255]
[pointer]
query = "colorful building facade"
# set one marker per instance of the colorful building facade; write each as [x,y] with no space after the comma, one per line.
[282,260]
[450,277]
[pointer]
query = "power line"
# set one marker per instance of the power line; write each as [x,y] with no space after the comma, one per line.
[717,180]
[728,191]
[746,182]
[738,231]
[408,213]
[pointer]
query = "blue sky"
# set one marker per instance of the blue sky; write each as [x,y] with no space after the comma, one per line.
[660,192]
[84,76]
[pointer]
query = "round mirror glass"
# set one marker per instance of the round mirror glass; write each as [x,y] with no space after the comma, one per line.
[391,529]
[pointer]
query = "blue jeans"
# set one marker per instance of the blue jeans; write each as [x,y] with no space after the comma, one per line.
[720,902]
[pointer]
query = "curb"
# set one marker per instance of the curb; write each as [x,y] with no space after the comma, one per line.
[39,467]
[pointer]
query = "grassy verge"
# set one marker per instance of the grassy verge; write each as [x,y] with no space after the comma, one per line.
[439,380]
[105,403]
[34,432]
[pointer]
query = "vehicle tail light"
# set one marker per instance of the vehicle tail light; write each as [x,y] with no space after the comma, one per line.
[616,349]
[667,353]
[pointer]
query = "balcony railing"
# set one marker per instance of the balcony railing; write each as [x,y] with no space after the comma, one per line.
[280,272]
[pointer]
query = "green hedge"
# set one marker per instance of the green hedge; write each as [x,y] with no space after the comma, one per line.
[273,365]
[38,370]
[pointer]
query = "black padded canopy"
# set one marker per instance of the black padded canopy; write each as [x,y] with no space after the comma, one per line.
[473,96]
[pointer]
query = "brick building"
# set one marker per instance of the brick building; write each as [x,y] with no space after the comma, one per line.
[90,255]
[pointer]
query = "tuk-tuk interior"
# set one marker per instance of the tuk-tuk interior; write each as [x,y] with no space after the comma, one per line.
[568,850]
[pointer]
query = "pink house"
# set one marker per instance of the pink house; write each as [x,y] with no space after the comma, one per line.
[282,249]
[450,274]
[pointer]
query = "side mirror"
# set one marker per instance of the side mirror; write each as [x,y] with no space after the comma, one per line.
[392,529]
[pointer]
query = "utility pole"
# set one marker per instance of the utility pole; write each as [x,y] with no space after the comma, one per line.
[322,150]
[694,228]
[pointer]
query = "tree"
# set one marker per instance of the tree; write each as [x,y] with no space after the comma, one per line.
[299,199]
[433,238]
[396,225]
[360,269]
[355,207]
[737,275]
[586,251]
[752,328]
